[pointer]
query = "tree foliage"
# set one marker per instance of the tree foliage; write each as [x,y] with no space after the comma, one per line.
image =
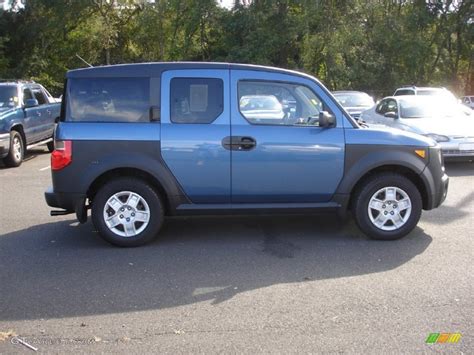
[372,45]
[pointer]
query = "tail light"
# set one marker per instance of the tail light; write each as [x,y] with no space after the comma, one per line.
[62,155]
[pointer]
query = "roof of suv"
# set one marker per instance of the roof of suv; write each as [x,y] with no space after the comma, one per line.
[421,88]
[155,69]
[15,81]
[348,92]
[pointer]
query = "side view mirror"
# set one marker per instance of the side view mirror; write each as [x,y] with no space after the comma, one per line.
[326,120]
[391,114]
[31,103]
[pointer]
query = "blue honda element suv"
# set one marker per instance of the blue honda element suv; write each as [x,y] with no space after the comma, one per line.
[139,142]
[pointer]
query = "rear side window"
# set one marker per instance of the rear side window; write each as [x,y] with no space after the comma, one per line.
[196,100]
[108,100]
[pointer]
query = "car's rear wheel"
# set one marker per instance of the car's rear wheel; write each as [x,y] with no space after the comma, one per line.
[387,207]
[127,212]
[17,150]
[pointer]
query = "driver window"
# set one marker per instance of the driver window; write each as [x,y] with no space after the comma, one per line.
[381,107]
[39,96]
[392,106]
[276,103]
[27,95]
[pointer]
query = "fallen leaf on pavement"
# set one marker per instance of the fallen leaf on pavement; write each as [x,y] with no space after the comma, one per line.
[5,335]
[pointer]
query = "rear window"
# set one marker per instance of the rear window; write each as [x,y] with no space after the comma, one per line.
[108,100]
[404,92]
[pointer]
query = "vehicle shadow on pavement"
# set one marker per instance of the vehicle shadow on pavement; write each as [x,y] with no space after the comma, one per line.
[64,269]
[448,213]
[30,155]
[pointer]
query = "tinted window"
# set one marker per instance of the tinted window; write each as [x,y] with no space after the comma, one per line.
[276,103]
[196,100]
[404,92]
[109,100]
[39,95]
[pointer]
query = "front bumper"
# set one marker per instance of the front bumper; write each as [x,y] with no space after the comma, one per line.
[4,144]
[458,148]
[442,192]
[436,179]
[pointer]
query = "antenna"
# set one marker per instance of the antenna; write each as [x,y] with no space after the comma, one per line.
[78,56]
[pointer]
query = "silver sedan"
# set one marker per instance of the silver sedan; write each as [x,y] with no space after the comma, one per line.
[448,123]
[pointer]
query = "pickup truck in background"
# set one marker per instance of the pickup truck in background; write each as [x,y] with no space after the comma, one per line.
[28,114]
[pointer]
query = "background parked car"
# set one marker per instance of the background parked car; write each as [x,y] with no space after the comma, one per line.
[468,101]
[441,94]
[265,108]
[446,123]
[27,117]
[425,91]
[354,101]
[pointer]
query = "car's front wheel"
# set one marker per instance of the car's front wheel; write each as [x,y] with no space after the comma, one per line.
[387,207]
[127,212]
[17,150]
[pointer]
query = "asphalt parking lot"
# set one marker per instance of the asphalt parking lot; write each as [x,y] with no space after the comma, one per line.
[233,284]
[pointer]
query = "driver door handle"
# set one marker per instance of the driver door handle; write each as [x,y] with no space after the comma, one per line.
[242,143]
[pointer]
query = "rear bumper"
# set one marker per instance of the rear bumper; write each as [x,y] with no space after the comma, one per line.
[4,144]
[69,202]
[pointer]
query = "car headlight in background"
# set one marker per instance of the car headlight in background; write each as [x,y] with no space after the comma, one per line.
[438,137]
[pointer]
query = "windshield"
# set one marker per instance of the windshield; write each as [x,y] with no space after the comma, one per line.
[354,99]
[8,96]
[442,94]
[417,107]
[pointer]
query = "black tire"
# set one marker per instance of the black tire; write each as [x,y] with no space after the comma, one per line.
[13,159]
[50,146]
[371,186]
[149,195]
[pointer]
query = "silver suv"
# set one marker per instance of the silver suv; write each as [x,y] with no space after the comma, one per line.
[425,91]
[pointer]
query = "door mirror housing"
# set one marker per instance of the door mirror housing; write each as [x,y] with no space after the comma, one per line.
[31,103]
[326,120]
[391,114]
